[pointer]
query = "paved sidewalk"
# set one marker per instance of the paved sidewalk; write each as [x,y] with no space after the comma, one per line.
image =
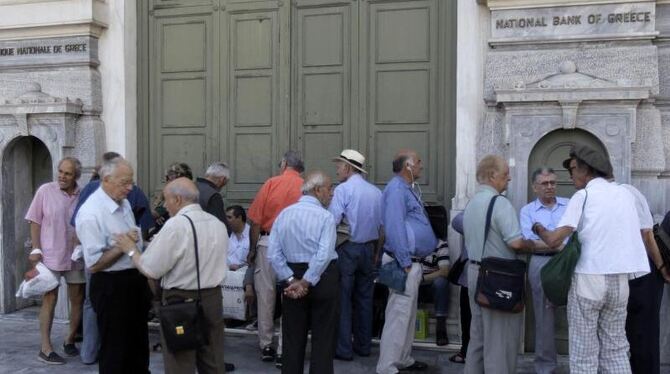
[19,346]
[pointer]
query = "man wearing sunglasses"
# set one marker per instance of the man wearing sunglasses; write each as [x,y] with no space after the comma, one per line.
[548,210]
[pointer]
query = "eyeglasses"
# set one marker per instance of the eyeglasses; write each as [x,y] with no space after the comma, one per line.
[570,169]
[547,183]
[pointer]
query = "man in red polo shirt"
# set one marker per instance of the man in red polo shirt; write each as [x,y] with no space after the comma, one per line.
[276,194]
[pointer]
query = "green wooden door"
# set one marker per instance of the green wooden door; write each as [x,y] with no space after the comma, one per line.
[243,81]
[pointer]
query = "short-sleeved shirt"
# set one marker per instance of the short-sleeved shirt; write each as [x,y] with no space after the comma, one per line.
[239,247]
[276,194]
[171,254]
[609,231]
[504,227]
[359,202]
[52,209]
[641,207]
[98,220]
[535,211]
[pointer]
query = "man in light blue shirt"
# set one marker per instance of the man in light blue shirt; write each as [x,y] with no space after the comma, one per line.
[357,205]
[409,237]
[547,209]
[302,253]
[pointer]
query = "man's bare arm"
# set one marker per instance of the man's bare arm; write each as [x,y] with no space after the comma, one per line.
[254,234]
[655,254]
[553,239]
[522,245]
[108,258]
[36,240]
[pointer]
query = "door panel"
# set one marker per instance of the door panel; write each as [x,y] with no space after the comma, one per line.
[182,122]
[401,86]
[251,66]
[322,102]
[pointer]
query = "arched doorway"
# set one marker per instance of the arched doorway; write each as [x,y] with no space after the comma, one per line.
[26,165]
[550,151]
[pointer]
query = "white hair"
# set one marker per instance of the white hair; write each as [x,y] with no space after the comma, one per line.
[186,192]
[218,170]
[109,167]
[312,181]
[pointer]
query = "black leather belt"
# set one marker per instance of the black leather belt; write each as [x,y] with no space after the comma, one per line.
[264,233]
[475,262]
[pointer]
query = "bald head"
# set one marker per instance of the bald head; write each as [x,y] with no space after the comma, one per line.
[407,164]
[180,193]
[493,170]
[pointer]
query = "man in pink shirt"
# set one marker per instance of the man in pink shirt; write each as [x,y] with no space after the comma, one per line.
[53,240]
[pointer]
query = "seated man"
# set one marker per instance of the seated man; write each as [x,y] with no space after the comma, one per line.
[435,269]
[239,238]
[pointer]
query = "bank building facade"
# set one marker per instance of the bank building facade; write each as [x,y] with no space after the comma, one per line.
[242,81]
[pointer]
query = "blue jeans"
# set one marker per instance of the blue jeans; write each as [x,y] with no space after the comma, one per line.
[440,287]
[91,343]
[356,288]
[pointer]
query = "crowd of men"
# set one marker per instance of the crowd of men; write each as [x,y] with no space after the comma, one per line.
[319,247]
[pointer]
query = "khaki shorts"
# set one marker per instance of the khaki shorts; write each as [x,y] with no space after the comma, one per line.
[71,276]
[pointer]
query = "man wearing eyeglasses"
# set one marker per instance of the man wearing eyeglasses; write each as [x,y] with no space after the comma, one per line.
[546,209]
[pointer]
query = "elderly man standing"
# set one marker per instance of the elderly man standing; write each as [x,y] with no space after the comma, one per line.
[548,210]
[612,251]
[171,258]
[276,194]
[53,241]
[119,293]
[209,187]
[302,253]
[494,335]
[409,238]
[357,203]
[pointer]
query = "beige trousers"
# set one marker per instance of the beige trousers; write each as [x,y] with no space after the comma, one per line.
[265,283]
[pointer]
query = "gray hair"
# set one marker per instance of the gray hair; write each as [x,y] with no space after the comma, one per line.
[75,162]
[187,192]
[541,171]
[314,180]
[218,170]
[488,166]
[109,167]
[294,160]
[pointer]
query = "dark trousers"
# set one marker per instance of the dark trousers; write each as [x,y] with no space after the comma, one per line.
[317,311]
[356,289]
[121,300]
[466,316]
[207,359]
[643,323]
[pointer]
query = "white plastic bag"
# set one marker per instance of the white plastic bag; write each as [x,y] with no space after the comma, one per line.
[232,290]
[77,253]
[44,282]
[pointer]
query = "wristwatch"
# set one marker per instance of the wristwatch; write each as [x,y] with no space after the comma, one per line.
[290,279]
[131,253]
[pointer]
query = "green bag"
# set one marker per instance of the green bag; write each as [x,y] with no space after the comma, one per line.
[556,274]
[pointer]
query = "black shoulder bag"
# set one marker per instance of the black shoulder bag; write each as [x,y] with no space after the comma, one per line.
[501,283]
[183,323]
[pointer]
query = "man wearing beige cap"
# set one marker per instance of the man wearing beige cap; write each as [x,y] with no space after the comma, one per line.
[605,217]
[356,204]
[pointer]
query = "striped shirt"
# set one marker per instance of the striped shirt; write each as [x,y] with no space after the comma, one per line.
[303,233]
[360,203]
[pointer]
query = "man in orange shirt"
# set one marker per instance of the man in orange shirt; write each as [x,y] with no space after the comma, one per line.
[276,194]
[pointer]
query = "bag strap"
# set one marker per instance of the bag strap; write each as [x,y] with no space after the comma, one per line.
[489,214]
[197,260]
[581,217]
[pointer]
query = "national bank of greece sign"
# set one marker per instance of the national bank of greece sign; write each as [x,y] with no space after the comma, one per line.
[574,23]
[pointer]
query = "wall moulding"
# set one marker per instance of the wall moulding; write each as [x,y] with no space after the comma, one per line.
[521,4]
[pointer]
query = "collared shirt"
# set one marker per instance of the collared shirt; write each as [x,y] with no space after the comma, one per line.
[609,231]
[171,254]
[641,207]
[136,197]
[535,211]
[303,232]
[436,260]
[239,247]
[504,225]
[406,225]
[276,194]
[359,202]
[98,220]
[52,208]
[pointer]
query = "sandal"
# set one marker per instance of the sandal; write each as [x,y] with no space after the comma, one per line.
[458,358]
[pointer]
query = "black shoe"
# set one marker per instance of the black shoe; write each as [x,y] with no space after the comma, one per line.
[342,358]
[229,367]
[441,337]
[416,366]
[70,350]
[268,354]
[278,363]
[52,359]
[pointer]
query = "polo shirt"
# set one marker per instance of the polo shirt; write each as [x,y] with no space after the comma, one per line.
[276,194]
[52,209]
[609,231]
[504,226]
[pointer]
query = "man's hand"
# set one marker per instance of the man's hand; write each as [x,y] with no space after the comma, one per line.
[34,259]
[125,242]
[408,269]
[133,235]
[251,257]
[249,295]
[666,274]
[297,289]
[234,267]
